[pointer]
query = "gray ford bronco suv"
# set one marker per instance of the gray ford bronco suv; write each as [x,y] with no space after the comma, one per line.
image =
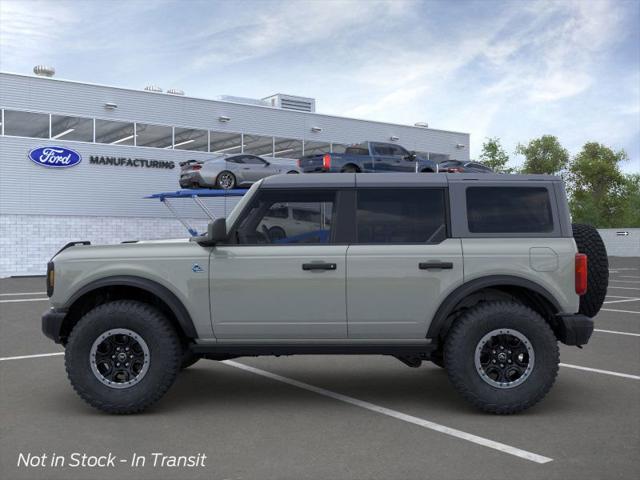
[481,274]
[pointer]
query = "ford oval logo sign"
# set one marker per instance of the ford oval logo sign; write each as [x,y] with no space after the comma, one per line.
[55,157]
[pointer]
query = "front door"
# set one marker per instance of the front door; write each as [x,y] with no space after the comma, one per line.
[402,264]
[282,275]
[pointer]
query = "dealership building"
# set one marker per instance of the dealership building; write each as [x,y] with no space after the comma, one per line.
[127,144]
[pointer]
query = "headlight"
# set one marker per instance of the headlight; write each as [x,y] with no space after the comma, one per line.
[51,278]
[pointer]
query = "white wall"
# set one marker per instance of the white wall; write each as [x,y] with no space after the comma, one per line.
[27,242]
[621,245]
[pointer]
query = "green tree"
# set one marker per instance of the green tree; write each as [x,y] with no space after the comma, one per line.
[543,155]
[631,203]
[494,156]
[600,193]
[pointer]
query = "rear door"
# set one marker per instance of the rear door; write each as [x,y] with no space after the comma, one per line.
[279,279]
[402,264]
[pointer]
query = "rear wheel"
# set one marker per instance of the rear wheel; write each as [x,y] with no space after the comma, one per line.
[350,169]
[502,357]
[122,356]
[226,180]
[589,242]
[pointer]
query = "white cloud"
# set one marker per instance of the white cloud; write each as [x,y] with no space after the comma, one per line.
[30,29]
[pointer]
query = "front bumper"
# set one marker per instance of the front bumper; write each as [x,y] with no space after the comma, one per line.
[52,321]
[574,329]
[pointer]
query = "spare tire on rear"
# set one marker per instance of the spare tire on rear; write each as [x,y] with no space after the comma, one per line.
[590,243]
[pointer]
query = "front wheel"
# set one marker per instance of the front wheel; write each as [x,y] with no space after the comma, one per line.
[502,357]
[122,356]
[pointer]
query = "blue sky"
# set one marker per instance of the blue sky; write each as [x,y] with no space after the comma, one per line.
[515,70]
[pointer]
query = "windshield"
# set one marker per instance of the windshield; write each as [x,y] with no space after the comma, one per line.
[233,216]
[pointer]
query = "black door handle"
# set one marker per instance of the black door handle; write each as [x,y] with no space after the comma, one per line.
[435,265]
[319,266]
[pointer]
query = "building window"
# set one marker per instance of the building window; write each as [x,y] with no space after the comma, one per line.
[26,124]
[225,143]
[191,139]
[258,145]
[157,136]
[114,133]
[287,148]
[316,148]
[71,128]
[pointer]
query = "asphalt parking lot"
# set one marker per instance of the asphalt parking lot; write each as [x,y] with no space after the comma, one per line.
[329,417]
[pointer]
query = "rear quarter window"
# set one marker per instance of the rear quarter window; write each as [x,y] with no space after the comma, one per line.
[509,210]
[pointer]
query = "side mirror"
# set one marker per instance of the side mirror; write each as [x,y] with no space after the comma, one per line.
[216,233]
[411,156]
[217,230]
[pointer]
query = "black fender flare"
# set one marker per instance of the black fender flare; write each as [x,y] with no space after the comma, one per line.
[440,320]
[167,296]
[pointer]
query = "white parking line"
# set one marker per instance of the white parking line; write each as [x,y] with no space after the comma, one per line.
[22,293]
[24,300]
[617,332]
[533,457]
[625,268]
[619,311]
[623,288]
[628,276]
[39,355]
[597,370]
[617,296]
[624,281]
[621,301]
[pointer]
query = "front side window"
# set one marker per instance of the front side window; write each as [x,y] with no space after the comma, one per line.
[509,210]
[26,124]
[268,220]
[413,215]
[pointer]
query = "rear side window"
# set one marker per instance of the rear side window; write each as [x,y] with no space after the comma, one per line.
[401,216]
[509,210]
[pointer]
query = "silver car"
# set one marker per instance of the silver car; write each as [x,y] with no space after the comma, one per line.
[228,172]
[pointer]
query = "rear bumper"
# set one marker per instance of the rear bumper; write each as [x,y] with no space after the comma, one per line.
[52,321]
[574,329]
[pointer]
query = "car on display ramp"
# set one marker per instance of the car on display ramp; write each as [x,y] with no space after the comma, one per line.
[228,172]
[481,274]
[368,157]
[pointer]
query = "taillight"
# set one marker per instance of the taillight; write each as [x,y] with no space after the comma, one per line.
[326,161]
[581,273]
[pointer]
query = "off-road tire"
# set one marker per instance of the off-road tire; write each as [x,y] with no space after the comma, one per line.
[165,356]
[466,333]
[590,243]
